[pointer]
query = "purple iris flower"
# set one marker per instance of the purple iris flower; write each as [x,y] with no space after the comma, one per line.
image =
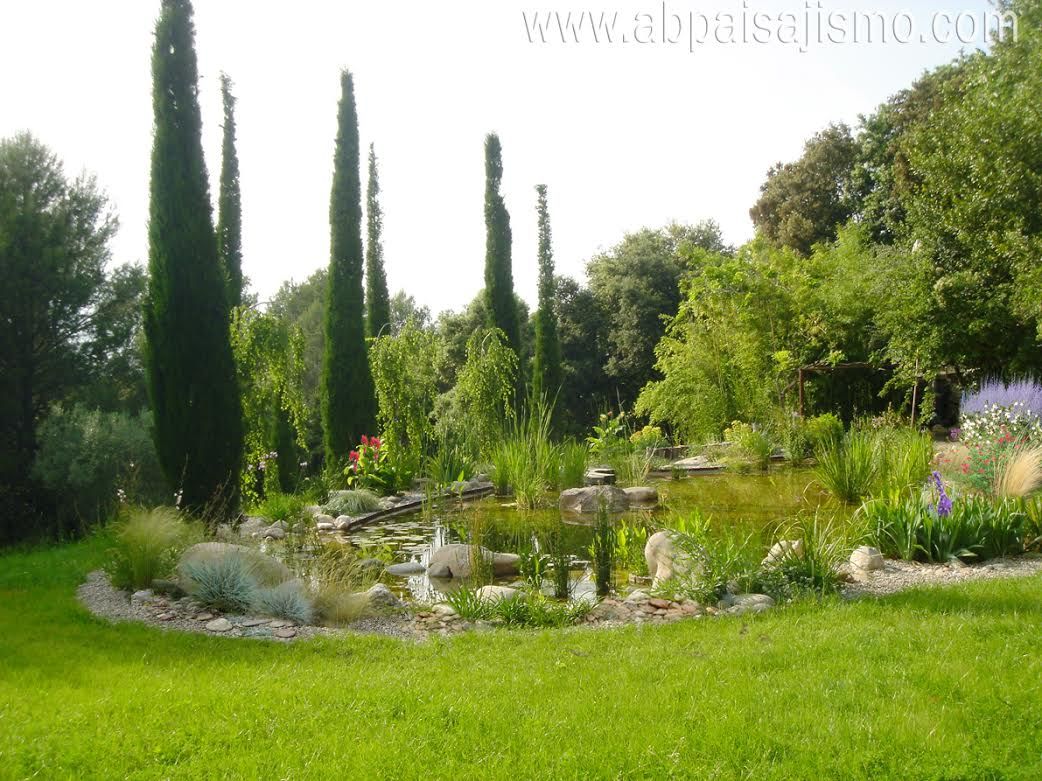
[944,502]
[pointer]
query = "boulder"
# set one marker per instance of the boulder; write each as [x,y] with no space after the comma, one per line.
[600,475]
[381,596]
[610,611]
[323,518]
[343,522]
[444,611]
[325,527]
[740,604]
[499,593]
[405,569]
[866,558]
[593,498]
[641,496]
[269,571]
[637,597]
[457,561]
[782,550]
[219,625]
[276,531]
[664,560]
[142,597]
[313,510]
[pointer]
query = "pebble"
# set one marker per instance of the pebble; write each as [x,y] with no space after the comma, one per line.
[281,623]
[219,625]
[252,622]
[285,632]
[204,616]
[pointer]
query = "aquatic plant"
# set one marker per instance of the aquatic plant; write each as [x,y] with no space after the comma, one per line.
[602,551]
[574,456]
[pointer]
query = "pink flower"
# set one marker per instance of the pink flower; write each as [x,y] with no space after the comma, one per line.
[353,456]
[365,440]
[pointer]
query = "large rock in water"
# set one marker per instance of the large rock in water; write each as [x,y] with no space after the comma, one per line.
[593,498]
[665,560]
[641,496]
[457,561]
[267,570]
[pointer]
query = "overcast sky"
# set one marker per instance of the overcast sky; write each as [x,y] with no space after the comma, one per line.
[624,136]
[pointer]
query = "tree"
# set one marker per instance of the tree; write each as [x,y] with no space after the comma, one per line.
[378,305]
[188,357]
[348,400]
[229,201]
[405,309]
[546,372]
[637,285]
[804,202]
[499,276]
[54,236]
[583,332]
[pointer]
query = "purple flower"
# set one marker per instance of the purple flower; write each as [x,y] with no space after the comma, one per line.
[944,502]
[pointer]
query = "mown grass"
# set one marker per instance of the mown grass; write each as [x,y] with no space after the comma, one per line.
[927,685]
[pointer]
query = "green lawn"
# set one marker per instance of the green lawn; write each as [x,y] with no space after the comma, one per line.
[931,684]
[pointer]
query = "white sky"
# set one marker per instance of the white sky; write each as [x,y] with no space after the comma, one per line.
[623,136]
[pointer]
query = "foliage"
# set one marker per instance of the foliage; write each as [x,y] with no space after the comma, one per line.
[337,606]
[813,566]
[280,507]
[90,461]
[501,309]
[608,439]
[450,462]
[405,369]
[377,301]
[1021,475]
[287,600]
[630,539]
[648,438]
[632,468]
[269,360]
[715,561]
[354,502]
[226,583]
[574,457]
[374,466]
[526,609]
[750,444]
[602,552]
[582,324]
[904,458]
[229,201]
[802,203]
[848,468]
[191,370]
[822,429]
[526,459]
[484,393]
[147,544]
[348,398]
[546,365]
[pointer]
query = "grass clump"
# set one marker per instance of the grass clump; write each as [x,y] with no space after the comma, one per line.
[524,609]
[147,546]
[281,507]
[286,600]
[574,456]
[602,551]
[847,467]
[354,502]
[1020,474]
[225,583]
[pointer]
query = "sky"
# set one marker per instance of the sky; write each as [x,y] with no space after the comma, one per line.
[624,136]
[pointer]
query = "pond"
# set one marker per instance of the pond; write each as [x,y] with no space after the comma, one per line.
[752,504]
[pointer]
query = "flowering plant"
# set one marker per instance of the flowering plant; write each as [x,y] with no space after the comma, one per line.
[369,466]
[999,409]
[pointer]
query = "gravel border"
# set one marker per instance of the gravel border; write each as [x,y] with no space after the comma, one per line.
[898,576]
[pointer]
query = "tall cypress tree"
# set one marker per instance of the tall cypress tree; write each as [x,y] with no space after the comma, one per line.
[229,201]
[378,302]
[499,276]
[546,370]
[188,356]
[348,398]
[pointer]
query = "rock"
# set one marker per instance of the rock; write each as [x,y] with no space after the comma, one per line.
[866,558]
[609,610]
[141,597]
[344,522]
[325,527]
[499,593]
[313,510]
[739,604]
[439,570]
[660,604]
[268,571]
[166,616]
[458,486]
[167,587]
[381,596]
[252,526]
[458,560]
[482,479]
[601,475]
[637,597]
[782,550]
[274,532]
[219,625]
[639,580]
[641,496]
[388,503]
[285,633]
[203,616]
[405,569]
[249,623]
[593,499]
[444,611]
[323,518]
[664,560]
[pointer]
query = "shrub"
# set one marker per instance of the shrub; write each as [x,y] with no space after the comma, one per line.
[848,467]
[574,456]
[90,461]
[281,507]
[338,606]
[822,429]
[751,445]
[286,600]
[148,543]
[354,502]
[796,442]
[225,583]
[526,460]
[716,561]
[373,465]
[648,438]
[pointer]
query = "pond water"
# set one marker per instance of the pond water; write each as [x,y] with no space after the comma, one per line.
[754,504]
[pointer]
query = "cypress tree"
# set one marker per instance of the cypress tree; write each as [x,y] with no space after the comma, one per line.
[499,276]
[378,302]
[188,357]
[546,371]
[229,201]
[348,398]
